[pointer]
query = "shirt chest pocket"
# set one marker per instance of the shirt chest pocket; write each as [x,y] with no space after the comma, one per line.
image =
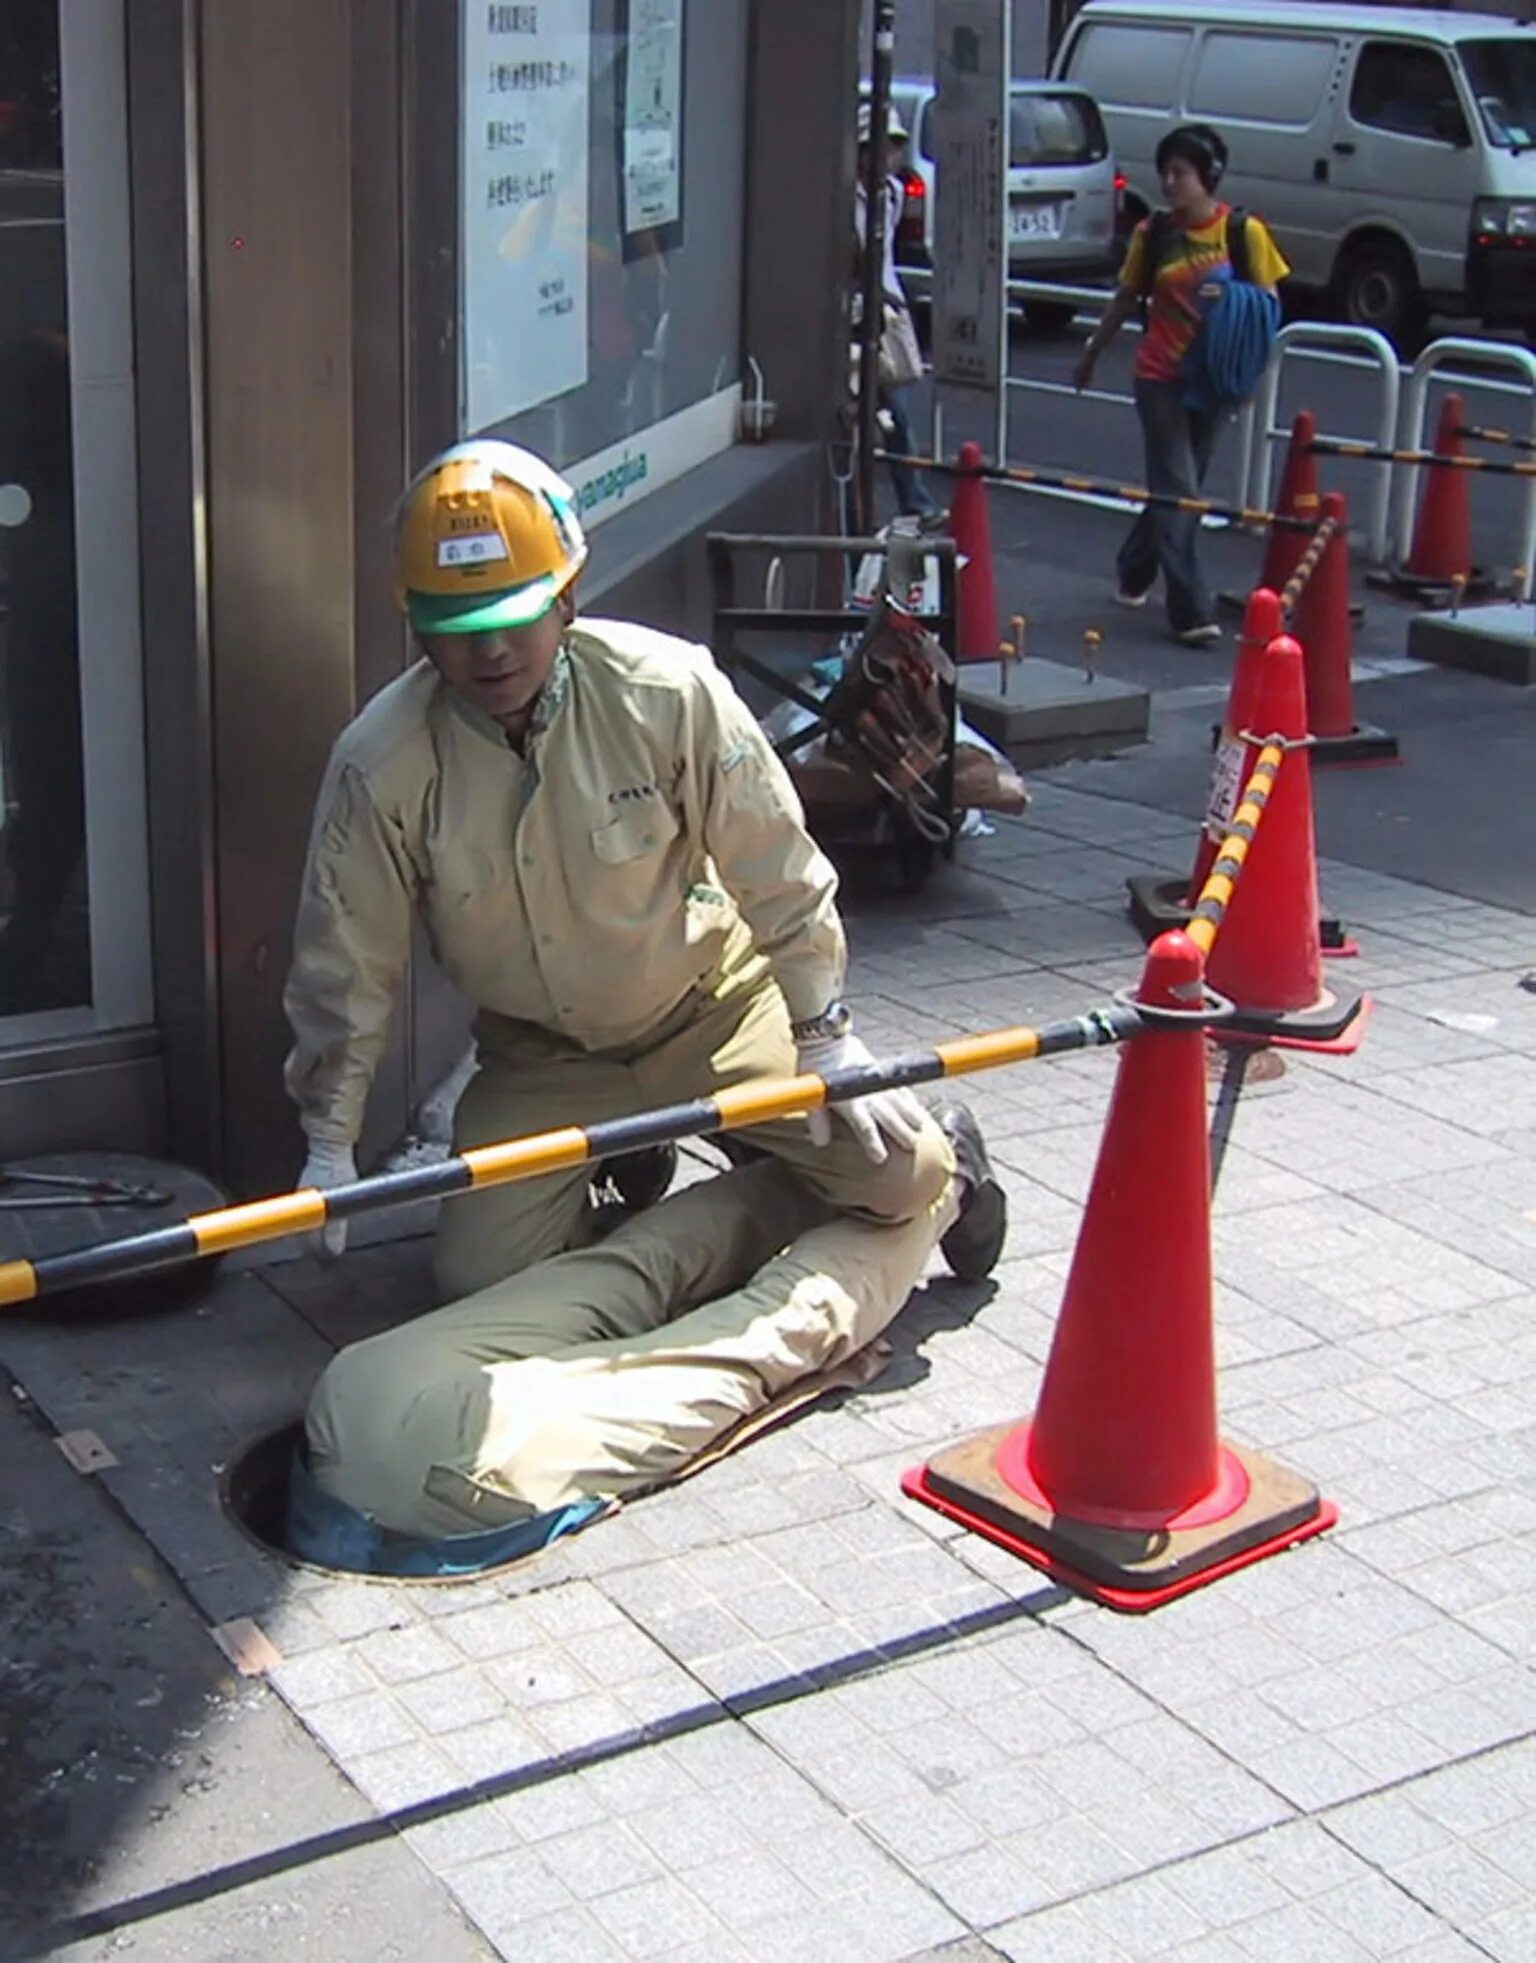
[643,833]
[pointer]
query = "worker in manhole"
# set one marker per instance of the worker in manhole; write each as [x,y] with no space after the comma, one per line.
[613,865]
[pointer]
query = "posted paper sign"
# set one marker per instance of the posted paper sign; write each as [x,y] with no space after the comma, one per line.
[523,237]
[653,123]
[969,121]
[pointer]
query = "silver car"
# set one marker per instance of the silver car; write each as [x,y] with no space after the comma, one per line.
[1063,192]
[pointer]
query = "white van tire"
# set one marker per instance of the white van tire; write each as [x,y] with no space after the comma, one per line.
[1375,285]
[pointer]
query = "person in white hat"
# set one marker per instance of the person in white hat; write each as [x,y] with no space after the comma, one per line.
[901,356]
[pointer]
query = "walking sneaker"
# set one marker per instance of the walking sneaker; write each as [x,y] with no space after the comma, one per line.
[1205,635]
[1124,597]
[974,1244]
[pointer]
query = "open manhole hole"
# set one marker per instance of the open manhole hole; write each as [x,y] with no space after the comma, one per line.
[253,1491]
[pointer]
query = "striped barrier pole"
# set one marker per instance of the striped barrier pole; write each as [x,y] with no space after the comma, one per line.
[1295,586]
[1100,487]
[1478,435]
[753,1103]
[1232,854]
[1433,459]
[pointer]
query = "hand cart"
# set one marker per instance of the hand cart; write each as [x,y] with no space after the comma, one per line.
[884,780]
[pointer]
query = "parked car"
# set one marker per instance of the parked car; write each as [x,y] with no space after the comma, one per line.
[1391,152]
[1062,195]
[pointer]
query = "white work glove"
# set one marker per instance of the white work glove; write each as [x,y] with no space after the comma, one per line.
[327,1166]
[894,1115]
[434,1114]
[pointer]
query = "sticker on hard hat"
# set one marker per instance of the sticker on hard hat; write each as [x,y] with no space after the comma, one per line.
[1226,783]
[472,551]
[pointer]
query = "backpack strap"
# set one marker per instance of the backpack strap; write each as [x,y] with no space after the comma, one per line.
[1237,243]
[1154,243]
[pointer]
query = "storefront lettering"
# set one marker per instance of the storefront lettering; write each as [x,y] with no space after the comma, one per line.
[506,136]
[512,19]
[610,484]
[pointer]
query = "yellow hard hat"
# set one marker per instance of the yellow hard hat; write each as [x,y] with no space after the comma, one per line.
[486,536]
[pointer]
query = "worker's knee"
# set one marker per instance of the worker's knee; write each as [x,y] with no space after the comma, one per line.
[911,1183]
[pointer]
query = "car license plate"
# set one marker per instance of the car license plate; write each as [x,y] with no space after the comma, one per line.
[1034,221]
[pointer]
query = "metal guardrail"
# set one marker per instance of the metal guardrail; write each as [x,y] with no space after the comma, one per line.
[1258,434]
[1411,429]
[1399,422]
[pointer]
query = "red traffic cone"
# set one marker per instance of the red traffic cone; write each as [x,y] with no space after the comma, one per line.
[1442,534]
[1268,954]
[1297,499]
[1121,1486]
[1156,903]
[1327,638]
[976,627]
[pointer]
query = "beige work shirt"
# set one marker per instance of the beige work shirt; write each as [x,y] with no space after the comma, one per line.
[645,845]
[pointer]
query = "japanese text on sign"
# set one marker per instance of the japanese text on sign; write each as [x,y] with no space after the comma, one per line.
[969,124]
[524,212]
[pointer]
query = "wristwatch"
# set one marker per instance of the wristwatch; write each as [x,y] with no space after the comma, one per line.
[835,1020]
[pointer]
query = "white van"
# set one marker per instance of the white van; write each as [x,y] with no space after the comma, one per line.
[1391,152]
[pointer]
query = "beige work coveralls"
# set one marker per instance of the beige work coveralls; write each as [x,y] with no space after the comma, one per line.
[637,911]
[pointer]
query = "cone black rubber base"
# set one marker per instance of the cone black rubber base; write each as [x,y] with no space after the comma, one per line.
[1334,1028]
[1365,743]
[1128,1570]
[1238,603]
[1156,906]
[1413,586]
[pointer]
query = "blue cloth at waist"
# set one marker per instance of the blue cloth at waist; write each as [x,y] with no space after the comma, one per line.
[326,1530]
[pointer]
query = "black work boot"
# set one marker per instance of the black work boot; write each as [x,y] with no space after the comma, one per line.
[640,1179]
[974,1245]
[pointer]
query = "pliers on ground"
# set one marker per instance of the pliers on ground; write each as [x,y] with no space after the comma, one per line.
[69,1189]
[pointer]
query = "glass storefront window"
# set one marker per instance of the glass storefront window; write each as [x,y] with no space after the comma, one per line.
[602,169]
[45,941]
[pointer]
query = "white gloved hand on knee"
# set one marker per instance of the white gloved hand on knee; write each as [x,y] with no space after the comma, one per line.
[892,1115]
[327,1166]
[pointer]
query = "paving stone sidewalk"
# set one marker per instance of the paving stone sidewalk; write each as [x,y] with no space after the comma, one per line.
[780,1712]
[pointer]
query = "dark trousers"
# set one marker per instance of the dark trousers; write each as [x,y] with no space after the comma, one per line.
[1179,442]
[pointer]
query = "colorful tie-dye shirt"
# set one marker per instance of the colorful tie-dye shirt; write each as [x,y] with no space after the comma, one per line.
[1189,253]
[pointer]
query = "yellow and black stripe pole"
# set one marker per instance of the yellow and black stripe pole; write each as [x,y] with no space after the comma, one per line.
[752,1103]
[1232,854]
[1477,434]
[1306,565]
[1104,487]
[1331,446]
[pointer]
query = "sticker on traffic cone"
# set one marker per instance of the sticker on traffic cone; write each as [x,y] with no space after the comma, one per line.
[1268,955]
[1120,1486]
[1157,903]
[1323,627]
[976,623]
[1297,499]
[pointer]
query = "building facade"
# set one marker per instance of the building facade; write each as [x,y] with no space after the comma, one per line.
[262,259]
